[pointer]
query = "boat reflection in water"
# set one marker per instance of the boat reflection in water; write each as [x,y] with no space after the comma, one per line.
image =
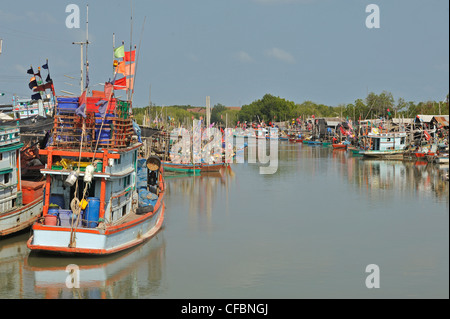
[134,273]
[198,194]
[419,179]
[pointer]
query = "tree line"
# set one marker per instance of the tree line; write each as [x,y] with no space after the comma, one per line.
[277,109]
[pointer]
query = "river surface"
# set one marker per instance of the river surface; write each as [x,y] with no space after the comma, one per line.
[308,231]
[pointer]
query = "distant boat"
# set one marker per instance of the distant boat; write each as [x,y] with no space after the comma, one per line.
[441,159]
[192,168]
[20,201]
[354,150]
[386,145]
[339,146]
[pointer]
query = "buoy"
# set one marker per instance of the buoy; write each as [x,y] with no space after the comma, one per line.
[72,178]
[88,173]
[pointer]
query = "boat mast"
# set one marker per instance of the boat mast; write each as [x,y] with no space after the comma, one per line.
[82,58]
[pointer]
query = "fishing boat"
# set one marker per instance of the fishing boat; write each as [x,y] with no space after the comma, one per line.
[295,139]
[20,200]
[180,167]
[313,143]
[339,146]
[192,168]
[385,145]
[354,150]
[113,203]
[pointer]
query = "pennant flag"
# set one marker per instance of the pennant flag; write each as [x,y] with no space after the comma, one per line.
[120,68]
[108,89]
[36,96]
[102,105]
[81,110]
[42,87]
[129,56]
[45,66]
[30,70]
[32,83]
[119,52]
[126,69]
[120,84]
[427,135]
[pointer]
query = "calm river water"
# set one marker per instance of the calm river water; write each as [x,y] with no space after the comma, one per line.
[307,231]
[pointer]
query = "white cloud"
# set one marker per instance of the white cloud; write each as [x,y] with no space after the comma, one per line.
[244,57]
[280,55]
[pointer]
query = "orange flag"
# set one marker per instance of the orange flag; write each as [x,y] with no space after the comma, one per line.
[126,69]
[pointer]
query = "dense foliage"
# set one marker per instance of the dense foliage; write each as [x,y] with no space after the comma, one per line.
[272,108]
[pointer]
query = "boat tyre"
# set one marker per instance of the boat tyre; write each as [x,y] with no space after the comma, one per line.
[144,210]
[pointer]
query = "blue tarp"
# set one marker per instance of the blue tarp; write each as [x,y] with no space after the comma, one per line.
[145,197]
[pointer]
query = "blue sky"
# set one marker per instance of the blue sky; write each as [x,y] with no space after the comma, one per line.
[235,51]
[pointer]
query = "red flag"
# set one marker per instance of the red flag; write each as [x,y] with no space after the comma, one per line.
[129,56]
[342,130]
[120,84]
[427,135]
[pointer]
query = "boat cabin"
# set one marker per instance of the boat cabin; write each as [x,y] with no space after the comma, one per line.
[387,141]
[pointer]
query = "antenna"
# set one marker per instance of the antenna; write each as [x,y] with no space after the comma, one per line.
[87,42]
[82,59]
[131,47]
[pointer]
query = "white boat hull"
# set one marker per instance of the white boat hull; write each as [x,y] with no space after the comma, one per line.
[20,218]
[97,241]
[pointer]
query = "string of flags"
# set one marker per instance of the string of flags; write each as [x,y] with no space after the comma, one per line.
[38,85]
[126,67]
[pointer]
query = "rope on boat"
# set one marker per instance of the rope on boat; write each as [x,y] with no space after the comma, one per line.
[75,203]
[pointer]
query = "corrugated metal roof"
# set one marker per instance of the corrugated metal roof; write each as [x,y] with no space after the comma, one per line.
[443,120]
[425,118]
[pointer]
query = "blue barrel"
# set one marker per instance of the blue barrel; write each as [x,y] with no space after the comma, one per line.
[92,212]
[58,199]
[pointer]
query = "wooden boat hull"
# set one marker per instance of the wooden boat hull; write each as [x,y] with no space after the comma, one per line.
[394,155]
[21,218]
[312,142]
[339,146]
[212,167]
[190,168]
[97,241]
[182,168]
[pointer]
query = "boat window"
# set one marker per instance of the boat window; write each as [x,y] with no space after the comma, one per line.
[402,141]
[6,178]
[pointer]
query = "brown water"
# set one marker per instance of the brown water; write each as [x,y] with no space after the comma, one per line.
[308,231]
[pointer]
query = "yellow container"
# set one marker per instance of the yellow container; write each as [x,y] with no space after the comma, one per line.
[83,204]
